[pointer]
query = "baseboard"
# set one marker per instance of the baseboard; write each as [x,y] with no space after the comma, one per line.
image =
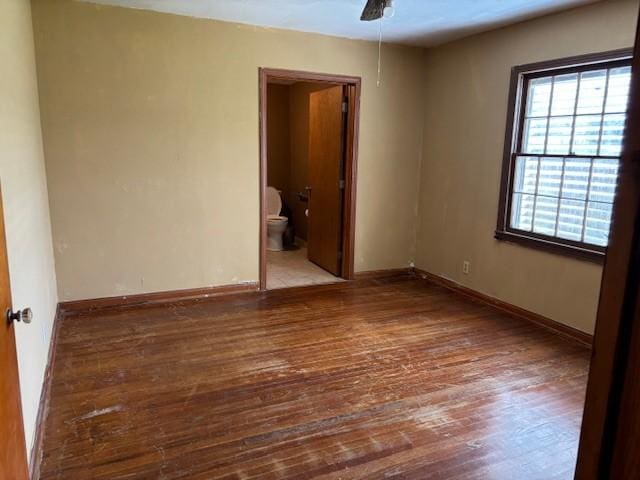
[96,304]
[378,274]
[540,320]
[36,449]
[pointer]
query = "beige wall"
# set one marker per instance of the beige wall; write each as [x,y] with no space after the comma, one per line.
[26,210]
[466,106]
[150,124]
[152,149]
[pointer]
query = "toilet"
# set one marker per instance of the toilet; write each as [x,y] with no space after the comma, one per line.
[276,224]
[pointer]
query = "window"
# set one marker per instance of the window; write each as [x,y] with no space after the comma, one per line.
[562,152]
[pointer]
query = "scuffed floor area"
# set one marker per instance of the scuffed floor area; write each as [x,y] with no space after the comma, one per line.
[372,379]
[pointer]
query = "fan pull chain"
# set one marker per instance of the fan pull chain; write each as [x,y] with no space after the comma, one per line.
[379,49]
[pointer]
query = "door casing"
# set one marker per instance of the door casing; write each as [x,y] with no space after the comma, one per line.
[353,88]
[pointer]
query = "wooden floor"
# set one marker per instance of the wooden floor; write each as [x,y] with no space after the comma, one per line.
[372,379]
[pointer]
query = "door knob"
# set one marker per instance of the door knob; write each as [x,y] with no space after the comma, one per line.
[24,316]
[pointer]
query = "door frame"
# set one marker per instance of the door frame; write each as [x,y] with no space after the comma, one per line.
[354,86]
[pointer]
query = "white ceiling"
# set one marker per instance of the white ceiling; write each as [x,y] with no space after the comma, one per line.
[416,22]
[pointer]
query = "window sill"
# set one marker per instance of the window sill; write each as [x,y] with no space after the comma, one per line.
[581,253]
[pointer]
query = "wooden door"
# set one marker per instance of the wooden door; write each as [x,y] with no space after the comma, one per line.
[13,454]
[326,178]
[610,437]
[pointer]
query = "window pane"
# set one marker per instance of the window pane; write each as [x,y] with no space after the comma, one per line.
[570,219]
[559,136]
[563,186]
[576,178]
[618,91]
[535,130]
[612,132]
[538,97]
[550,176]
[564,94]
[526,174]
[598,223]
[603,179]
[592,86]
[545,215]
[586,135]
[522,211]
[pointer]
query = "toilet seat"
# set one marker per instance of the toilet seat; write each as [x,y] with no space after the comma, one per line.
[274,202]
[276,219]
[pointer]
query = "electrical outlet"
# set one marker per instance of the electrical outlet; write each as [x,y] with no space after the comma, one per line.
[466,266]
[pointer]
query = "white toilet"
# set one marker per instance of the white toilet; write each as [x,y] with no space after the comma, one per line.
[276,224]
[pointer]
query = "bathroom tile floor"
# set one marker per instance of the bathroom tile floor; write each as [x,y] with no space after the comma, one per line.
[290,268]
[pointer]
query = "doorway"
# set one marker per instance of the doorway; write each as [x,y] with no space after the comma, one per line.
[308,151]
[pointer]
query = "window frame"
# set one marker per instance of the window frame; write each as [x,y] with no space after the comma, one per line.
[518,89]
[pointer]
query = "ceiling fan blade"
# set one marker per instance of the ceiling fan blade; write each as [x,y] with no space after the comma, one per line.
[372,10]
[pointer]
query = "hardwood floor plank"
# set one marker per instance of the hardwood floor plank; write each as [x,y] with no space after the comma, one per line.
[377,378]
